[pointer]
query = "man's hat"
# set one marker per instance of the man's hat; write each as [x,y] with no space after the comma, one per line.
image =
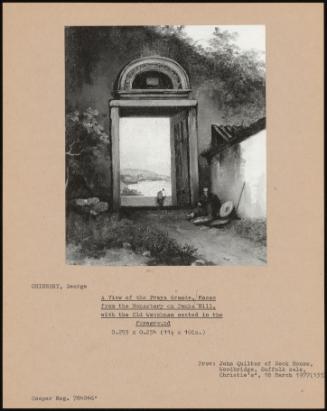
[226,209]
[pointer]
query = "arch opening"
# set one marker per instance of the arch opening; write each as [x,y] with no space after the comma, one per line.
[160,76]
[153,135]
[152,80]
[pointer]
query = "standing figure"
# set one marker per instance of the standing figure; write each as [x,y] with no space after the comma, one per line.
[161,196]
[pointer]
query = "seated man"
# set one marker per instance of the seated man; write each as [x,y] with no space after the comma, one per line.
[208,205]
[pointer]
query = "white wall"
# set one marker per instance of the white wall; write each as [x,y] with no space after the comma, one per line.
[244,162]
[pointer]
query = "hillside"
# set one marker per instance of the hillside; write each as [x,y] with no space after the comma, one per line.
[134,175]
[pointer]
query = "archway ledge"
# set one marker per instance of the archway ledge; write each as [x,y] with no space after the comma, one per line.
[153,103]
[166,79]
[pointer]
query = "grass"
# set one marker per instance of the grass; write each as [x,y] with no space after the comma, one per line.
[255,230]
[97,234]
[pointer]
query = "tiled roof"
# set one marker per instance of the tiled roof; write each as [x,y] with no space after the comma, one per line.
[225,136]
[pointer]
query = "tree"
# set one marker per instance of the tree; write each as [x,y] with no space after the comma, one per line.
[86,140]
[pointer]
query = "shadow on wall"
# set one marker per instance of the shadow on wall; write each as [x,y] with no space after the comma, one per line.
[241,163]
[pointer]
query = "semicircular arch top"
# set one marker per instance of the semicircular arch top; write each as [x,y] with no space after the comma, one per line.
[153,74]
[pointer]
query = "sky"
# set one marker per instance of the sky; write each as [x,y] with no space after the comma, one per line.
[249,37]
[145,144]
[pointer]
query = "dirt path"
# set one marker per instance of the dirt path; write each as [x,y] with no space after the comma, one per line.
[218,246]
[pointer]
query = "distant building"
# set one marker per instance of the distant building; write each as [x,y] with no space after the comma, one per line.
[237,157]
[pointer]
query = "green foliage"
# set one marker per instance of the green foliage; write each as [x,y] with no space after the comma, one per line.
[95,235]
[86,147]
[235,78]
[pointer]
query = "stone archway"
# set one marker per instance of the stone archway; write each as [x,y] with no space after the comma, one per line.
[159,86]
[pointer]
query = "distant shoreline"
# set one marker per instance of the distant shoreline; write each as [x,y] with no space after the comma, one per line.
[135,176]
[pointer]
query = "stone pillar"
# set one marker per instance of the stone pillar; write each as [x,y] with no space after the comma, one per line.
[115,159]
[193,154]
